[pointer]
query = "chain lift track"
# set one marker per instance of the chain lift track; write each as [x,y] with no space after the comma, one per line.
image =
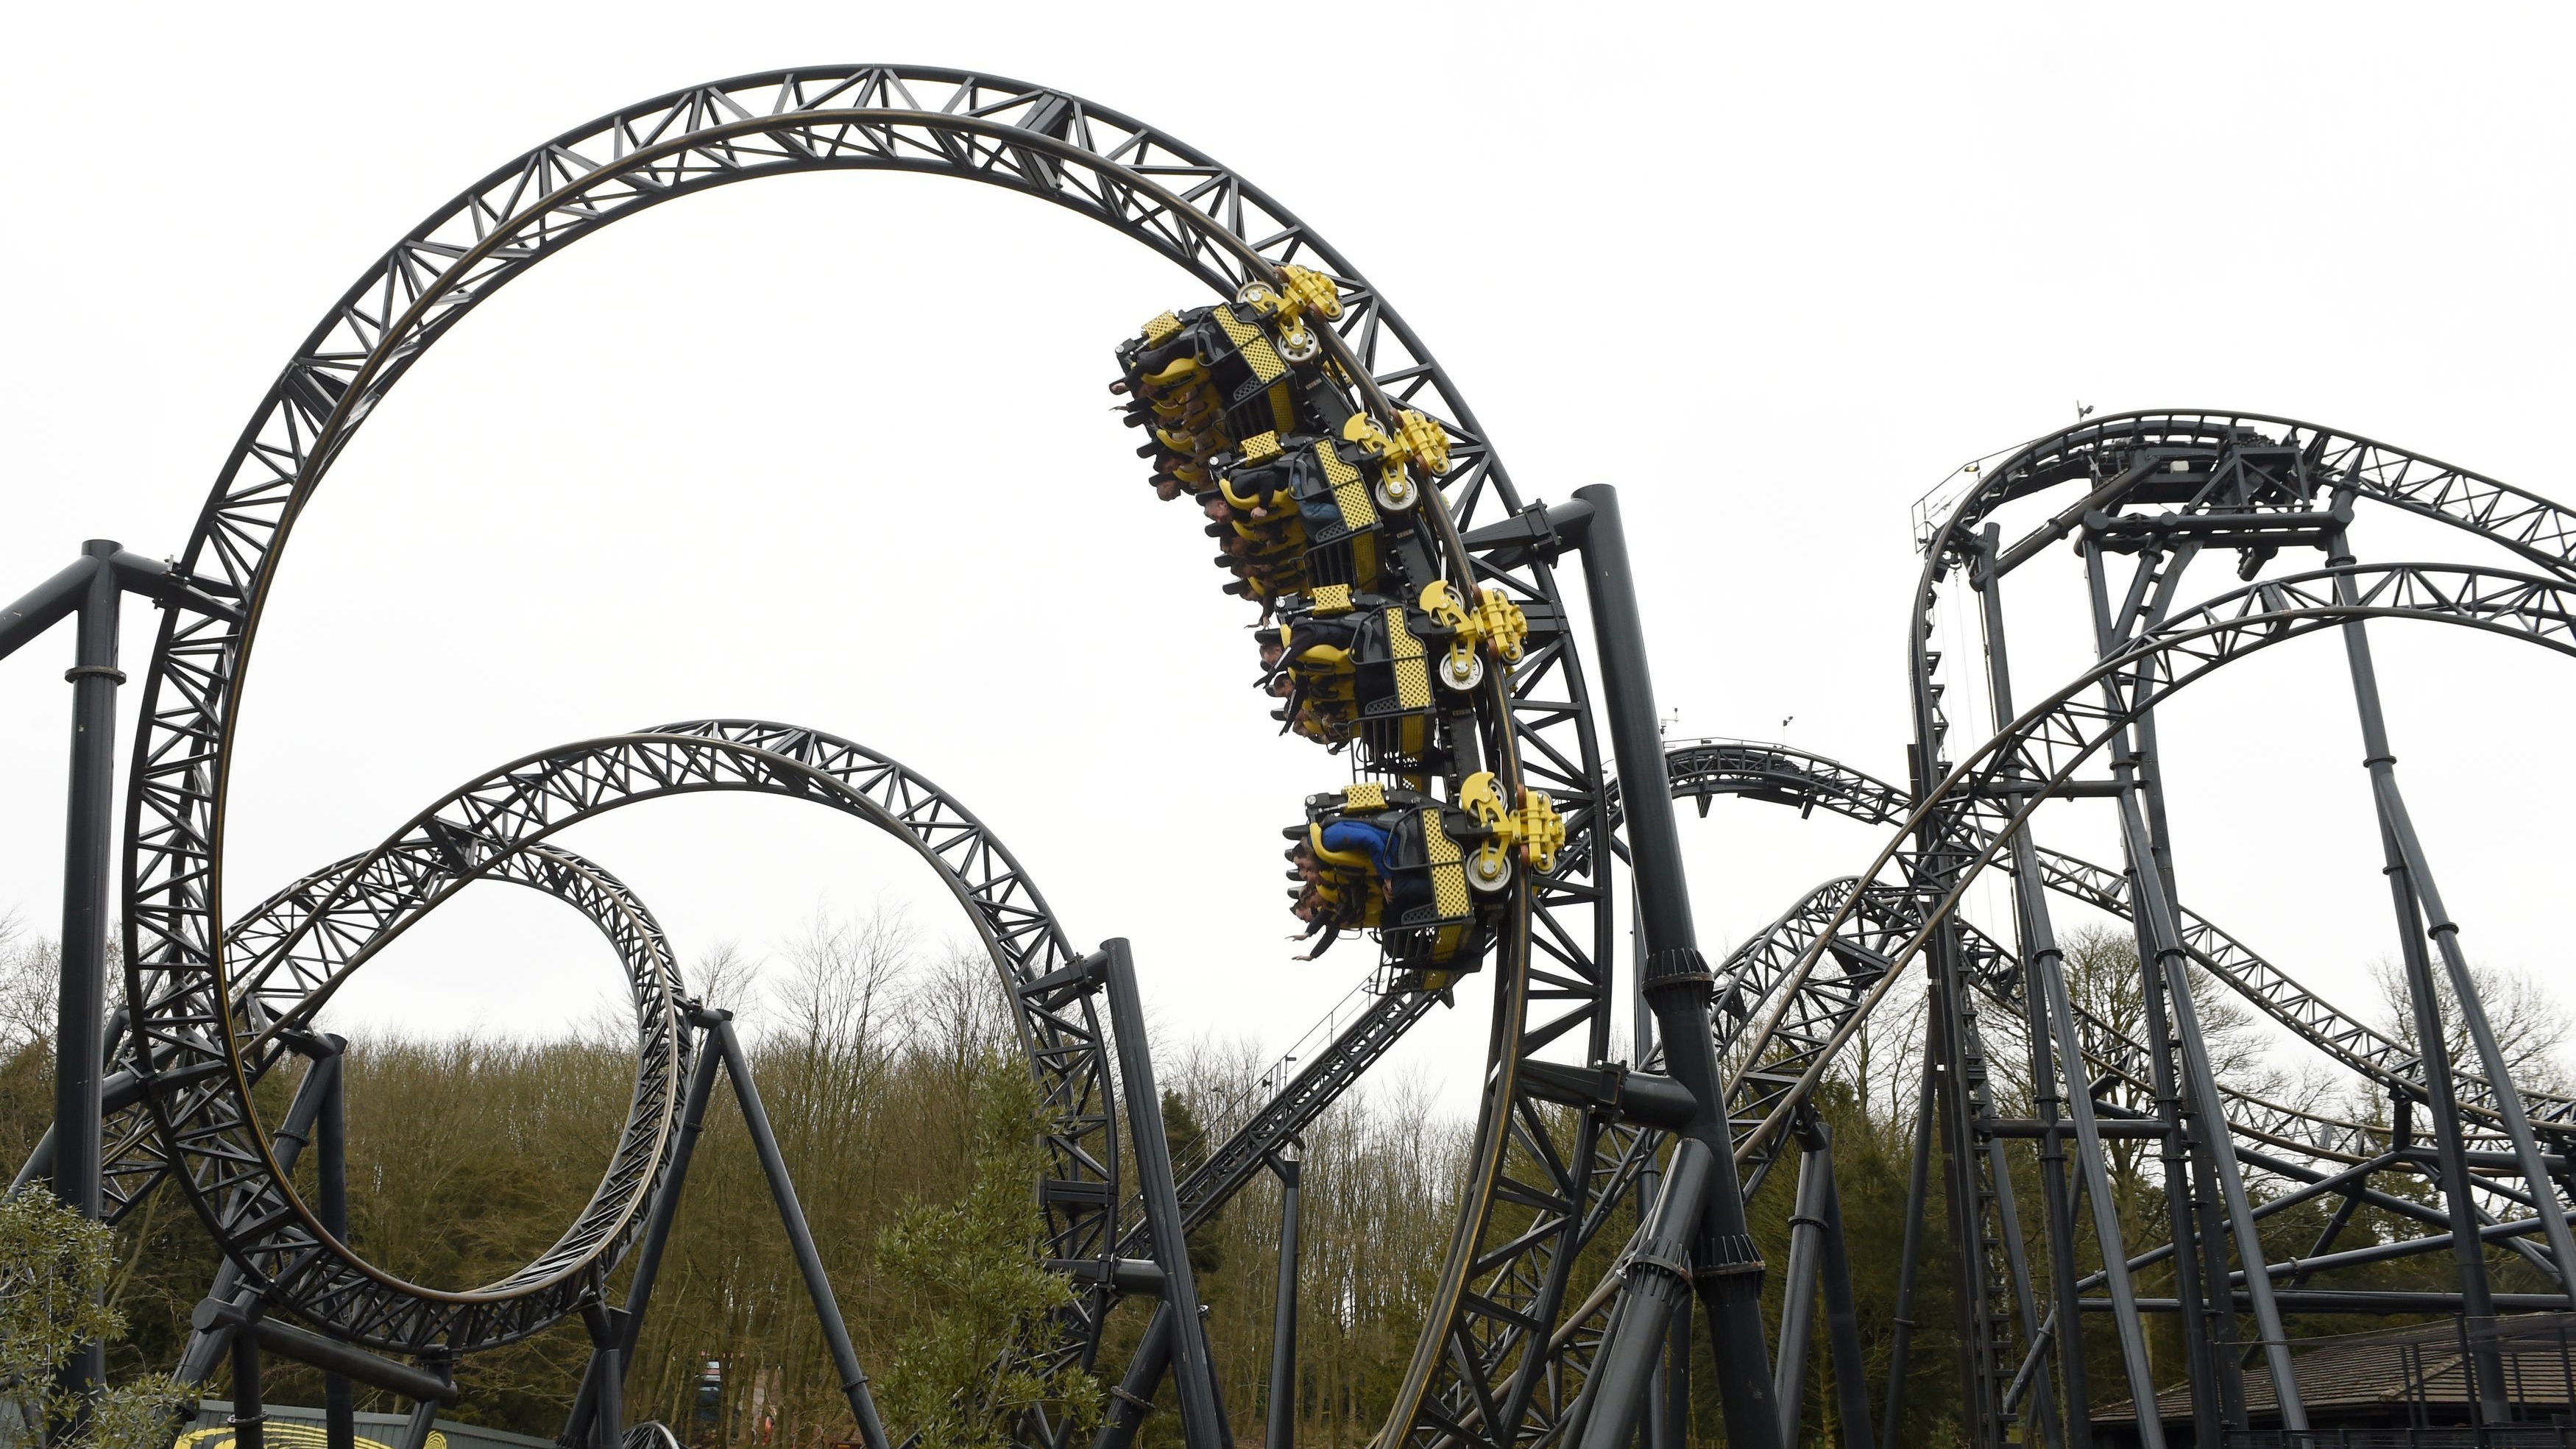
[1549,969]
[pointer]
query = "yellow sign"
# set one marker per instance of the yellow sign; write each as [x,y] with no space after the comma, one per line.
[284,1434]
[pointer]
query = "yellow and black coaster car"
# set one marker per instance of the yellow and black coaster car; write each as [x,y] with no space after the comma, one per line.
[1364,668]
[1204,378]
[1430,877]
[1397,862]
[1379,671]
[1294,518]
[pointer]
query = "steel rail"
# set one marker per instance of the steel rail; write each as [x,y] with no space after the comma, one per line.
[1005,133]
[134,1162]
[478,828]
[2100,453]
[1784,774]
[2050,740]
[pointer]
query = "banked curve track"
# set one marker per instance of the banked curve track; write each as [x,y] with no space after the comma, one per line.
[313,937]
[1550,970]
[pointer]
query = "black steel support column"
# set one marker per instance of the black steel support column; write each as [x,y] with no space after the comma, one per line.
[1909,1264]
[1842,1312]
[2201,1365]
[1678,986]
[2161,932]
[1980,1392]
[1798,1289]
[606,1380]
[1668,1413]
[2432,1041]
[92,591]
[1949,1110]
[818,1284]
[657,1231]
[1671,1389]
[1655,1290]
[1282,1428]
[417,1429]
[89,832]
[2491,1059]
[339,1400]
[2150,601]
[1203,1422]
[2052,1041]
[1133,1399]
[250,1416]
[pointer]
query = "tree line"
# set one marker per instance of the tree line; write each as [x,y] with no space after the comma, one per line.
[889,1066]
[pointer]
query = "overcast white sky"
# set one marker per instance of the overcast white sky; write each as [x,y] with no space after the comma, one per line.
[822,449]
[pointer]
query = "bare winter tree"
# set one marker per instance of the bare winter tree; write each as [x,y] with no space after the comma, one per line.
[2529,1023]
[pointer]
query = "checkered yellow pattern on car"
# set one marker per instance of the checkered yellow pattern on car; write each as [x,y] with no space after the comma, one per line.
[1412,676]
[1350,490]
[1248,340]
[1448,876]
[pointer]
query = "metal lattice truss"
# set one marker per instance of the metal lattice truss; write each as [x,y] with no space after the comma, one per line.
[307,949]
[338,925]
[1984,801]
[2243,461]
[1763,963]
[1501,1358]
[1707,769]
[1551,986]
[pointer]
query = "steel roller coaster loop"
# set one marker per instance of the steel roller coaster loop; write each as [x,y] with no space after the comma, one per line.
[1502,1361]
[482,827]
[134,1162]
[1536,715]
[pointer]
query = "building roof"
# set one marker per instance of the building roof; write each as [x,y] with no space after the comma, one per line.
[2370,1374]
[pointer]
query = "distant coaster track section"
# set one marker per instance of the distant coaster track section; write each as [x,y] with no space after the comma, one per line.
[187,980]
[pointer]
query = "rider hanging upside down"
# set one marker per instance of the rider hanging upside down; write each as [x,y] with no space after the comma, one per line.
[1427,875]
[1210,375]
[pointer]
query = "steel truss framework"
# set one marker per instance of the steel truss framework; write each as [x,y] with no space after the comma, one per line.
[313,937]
[1792,997]
[135,1163]
[2161,487]
[1508,1350]
[185,975]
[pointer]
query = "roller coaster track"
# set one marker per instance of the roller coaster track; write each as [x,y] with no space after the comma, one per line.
[1865,927]
[1973,812]
[1500,1359]
[1875,926]
[134,1162]
[1708,769]
[2280,462]
[317,938]
[185,977]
